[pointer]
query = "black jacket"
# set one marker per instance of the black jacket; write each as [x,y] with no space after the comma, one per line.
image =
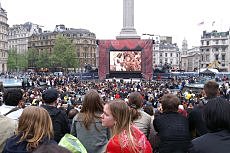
[59,120]
[217,142]
[12,145]
[173,131]
[197,125]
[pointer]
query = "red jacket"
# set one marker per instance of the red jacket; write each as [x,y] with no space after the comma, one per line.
[119,144]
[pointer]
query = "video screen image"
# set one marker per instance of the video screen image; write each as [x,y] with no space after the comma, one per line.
[125,61]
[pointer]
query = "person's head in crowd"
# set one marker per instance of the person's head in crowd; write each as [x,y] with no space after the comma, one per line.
[170,103]
[149,110]
[135,99]
[211,89]
[50,96]
[34,126]
[135,102]
[159,108]
[116,116]
[91,107]
[217,114]
[72,100]
[13,97]
[35,102]
[72,113]
[51,148]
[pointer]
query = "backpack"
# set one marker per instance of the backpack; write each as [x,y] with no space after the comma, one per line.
[72,143]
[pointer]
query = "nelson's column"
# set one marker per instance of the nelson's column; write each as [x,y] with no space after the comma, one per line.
[128,31]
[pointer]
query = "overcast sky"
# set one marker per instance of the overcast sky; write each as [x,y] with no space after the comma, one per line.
[176,18]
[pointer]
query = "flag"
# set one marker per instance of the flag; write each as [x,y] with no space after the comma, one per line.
[201,23]
[213,23]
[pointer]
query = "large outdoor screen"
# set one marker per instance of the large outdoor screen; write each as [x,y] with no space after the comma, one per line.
[125,61]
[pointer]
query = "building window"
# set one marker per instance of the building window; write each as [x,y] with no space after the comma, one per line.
[166,60]
[165,54]
[207,57]
[216,56]
[207,43]
[160,54]
[223,57]
[170,54]
[160,61]
[202,58]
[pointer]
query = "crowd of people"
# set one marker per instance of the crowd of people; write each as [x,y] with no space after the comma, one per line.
[115,116]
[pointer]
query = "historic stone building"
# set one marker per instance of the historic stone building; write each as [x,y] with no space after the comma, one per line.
[214,50]
[166,52]
[190,58]
[3,40]
[18,36]
[84,41]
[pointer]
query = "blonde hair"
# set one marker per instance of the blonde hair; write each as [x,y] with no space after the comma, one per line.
[121,113]
[34,126]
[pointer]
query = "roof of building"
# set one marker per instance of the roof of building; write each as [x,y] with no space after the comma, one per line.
[82,32]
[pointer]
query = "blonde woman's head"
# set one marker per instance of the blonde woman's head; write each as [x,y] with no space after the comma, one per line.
[116,116]
[34,126]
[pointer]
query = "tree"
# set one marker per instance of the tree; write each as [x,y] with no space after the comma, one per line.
[32,57]
[43,60]
[22,61]
[16,61]
[12,62]
[64,54]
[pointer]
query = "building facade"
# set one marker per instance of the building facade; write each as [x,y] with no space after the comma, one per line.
[166,53]
[190,58]
[214,50]
[83,40]
[18,36]
[3,40]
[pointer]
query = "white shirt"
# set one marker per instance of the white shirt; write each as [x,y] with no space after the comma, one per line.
[13,115]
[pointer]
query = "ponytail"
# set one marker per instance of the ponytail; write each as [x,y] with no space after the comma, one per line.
[134,112]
